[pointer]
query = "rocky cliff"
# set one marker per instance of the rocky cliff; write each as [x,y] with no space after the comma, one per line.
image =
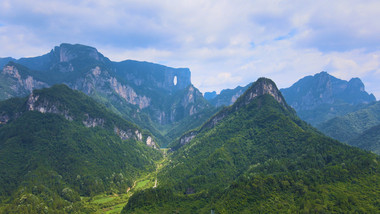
[150,75]
[17,80]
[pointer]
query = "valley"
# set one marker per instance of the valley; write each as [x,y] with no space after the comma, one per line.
[114,203]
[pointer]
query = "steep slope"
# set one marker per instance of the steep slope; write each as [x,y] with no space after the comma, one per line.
[350,126]
[321,97]
[258,156]
[226,97]
[141,92]
[58,144]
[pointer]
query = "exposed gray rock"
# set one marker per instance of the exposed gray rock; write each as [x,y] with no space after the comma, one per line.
[187,137]
[45,106]
[151,143]
[92,122]
[20,84]
[4,119]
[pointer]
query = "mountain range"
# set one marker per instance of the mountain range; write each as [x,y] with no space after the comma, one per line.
[80,133]
[316,99]
[156,97]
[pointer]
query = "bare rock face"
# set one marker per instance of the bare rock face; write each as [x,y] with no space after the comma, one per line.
[151,143]
[187,137]
[66,52]
[4,119]
[154,75]
[123,134]
[128,134]
[129,94]
[92,122]
[138,134]
[20,85]
[98,80]
[34,103]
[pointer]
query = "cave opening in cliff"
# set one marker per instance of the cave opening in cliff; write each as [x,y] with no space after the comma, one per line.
[175,80]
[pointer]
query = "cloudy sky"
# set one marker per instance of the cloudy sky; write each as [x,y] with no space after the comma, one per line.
[224,43]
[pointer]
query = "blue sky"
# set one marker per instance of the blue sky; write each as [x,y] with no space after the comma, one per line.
[224,43]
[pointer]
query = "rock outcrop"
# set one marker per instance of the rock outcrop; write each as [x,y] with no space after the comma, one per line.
[20,82]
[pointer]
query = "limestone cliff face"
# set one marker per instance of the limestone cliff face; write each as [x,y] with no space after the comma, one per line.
[128,134]
[150,75]
[145,93]
[186,138]
[99,80]
[43,105]
[68,52]
[19,85]
[150,142]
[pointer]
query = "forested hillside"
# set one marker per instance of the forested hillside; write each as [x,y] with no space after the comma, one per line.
[57,145]
[258,156]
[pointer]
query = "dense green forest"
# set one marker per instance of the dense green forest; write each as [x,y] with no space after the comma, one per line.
[262,158]
[61,151]
[48,161]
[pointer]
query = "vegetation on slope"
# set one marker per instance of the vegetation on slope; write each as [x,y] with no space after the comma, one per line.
[262,158]
[368,140]
[48,162]
[350,126]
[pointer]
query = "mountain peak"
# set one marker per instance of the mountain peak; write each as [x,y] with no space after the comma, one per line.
[261,87]
[356,83]
[322,96]
[67,52]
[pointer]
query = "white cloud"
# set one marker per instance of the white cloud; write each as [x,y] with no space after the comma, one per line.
[224,43]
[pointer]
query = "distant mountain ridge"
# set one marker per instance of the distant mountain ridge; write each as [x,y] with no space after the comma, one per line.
[322,96]
[145,93]
[226,97]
